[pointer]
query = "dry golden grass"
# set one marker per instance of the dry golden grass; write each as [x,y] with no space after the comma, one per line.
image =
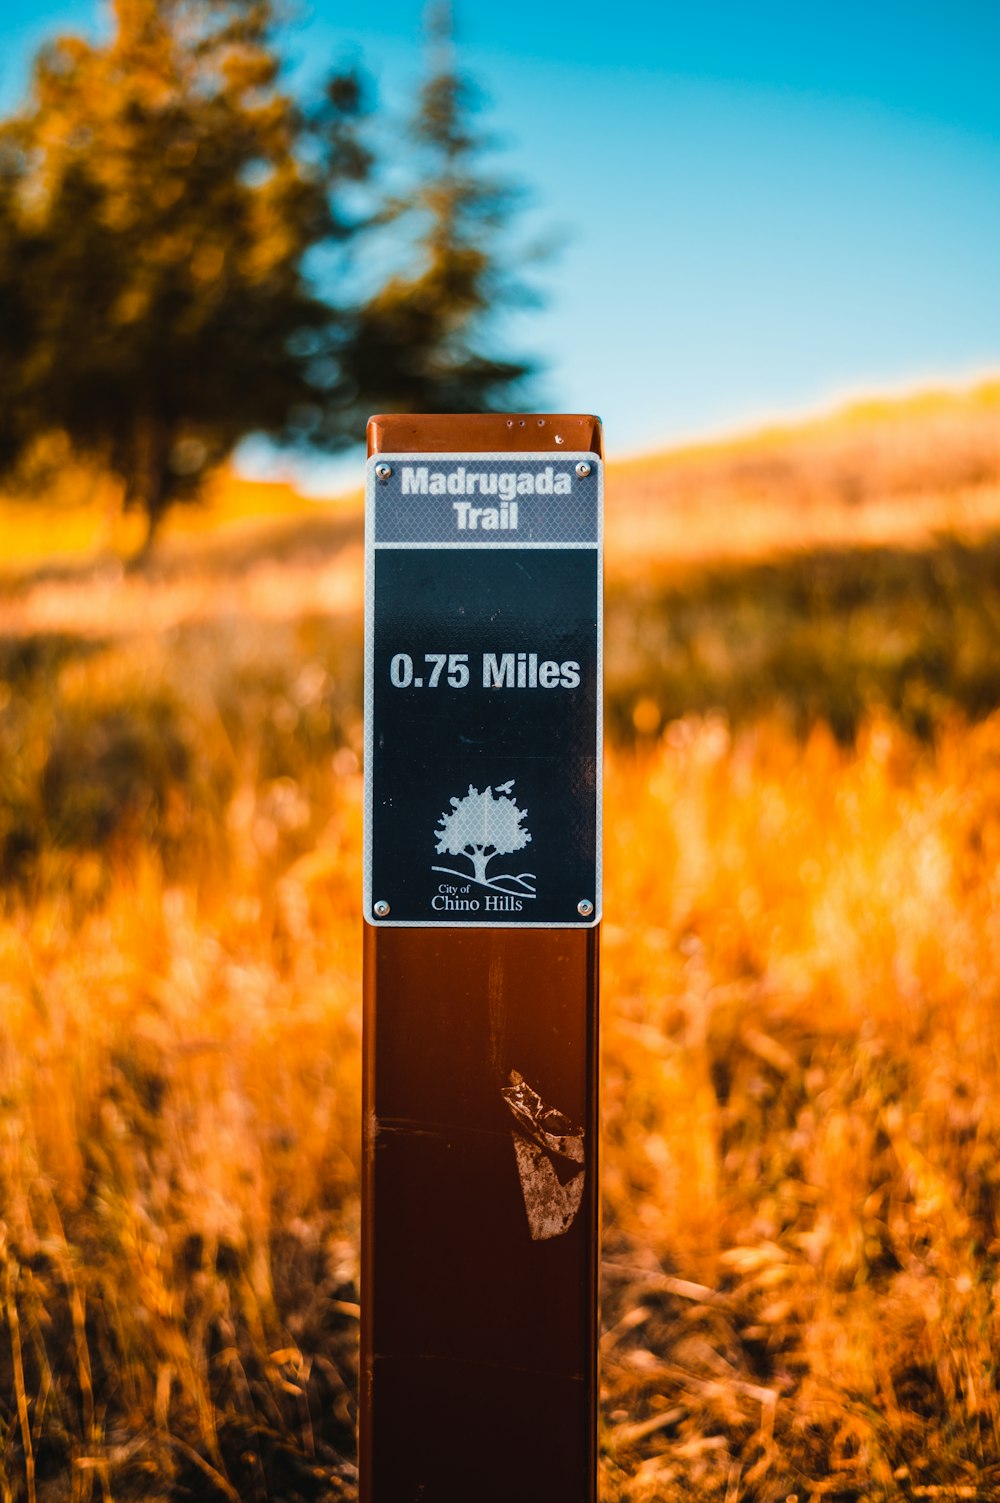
[892,473]
[801,1008]
[70,512]
[179,1094]
[802,1114]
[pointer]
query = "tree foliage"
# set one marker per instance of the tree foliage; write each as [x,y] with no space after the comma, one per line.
[157,200]
[163,201]
[426,337]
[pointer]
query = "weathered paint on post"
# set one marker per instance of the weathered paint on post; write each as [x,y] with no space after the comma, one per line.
[480,1191]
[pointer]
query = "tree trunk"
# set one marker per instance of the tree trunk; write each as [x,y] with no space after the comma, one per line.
[147,486]
[154,516]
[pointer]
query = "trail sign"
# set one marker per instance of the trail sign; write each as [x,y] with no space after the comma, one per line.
[483,674]
[479,1246]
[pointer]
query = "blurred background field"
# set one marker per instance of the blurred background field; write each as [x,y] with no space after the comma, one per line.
[801,980]
[230,230]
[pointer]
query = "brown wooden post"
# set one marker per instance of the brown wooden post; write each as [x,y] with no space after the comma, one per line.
[480,1191]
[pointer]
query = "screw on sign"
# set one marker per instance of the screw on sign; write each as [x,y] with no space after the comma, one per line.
[482,900]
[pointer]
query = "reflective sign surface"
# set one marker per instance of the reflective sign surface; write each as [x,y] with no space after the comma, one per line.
[483,689]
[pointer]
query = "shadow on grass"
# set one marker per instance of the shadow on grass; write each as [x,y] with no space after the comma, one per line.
[107,741]
[829,635]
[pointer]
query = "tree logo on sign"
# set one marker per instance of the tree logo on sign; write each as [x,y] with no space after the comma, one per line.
[481,826]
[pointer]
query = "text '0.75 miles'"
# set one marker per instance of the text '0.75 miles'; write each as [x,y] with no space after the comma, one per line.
[492,670]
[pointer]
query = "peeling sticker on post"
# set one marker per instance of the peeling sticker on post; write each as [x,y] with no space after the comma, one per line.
[550,1160]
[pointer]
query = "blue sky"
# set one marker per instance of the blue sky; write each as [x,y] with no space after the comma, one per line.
[763,208]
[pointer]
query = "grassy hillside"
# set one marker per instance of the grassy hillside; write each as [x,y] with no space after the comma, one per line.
[878,472]
[801,984]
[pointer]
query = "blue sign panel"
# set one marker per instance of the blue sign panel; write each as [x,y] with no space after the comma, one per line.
[483,690]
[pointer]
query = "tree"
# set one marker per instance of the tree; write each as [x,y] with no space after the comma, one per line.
[481,826]
[159,198]
[178,261]
[425,337]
